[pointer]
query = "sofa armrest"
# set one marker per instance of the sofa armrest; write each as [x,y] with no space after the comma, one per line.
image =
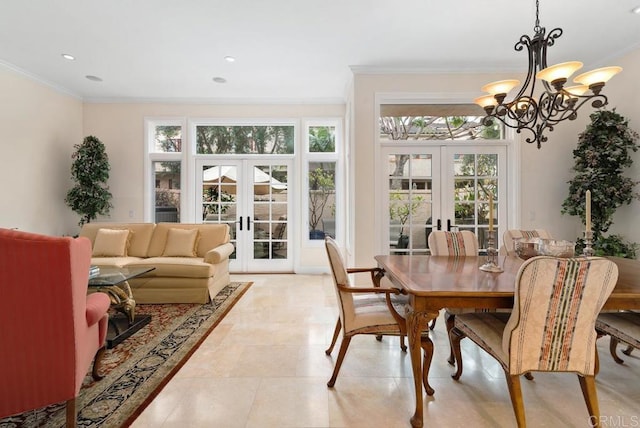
[97,306]
[218,254]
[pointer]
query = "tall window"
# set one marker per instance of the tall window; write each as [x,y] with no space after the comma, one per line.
[165,152]
[322,172]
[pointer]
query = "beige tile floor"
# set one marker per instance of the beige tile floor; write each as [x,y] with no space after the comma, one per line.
[264,366]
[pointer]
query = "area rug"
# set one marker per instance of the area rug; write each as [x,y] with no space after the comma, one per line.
[138,368]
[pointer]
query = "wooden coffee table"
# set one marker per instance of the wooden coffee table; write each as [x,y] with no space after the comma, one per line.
[114,282]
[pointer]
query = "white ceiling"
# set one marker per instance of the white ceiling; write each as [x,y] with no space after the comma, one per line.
[289,50]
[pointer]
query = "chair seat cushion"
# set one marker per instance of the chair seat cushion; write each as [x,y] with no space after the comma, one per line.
[624,326]
[485,329]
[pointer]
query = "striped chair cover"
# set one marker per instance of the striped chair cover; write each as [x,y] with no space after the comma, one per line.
[462,243]
[552,324]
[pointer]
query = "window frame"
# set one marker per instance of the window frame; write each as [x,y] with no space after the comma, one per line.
[335,157]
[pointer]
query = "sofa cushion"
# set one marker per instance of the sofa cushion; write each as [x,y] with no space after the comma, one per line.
[211,236]
[177,267]
[181,243]
[139,239]
[111,243]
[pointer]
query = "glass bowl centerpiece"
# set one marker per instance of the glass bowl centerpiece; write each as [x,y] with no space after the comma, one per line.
[557,248]
[526,248]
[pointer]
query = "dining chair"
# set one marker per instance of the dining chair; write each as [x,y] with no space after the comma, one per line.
[621,327]
[453,244]
[551,327]
[509,236]
[362,311]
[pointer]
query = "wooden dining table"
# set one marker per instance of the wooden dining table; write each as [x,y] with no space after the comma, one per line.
[436,282]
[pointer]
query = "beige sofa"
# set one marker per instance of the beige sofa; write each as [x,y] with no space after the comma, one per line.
[187,269]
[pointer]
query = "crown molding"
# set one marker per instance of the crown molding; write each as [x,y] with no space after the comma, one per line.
[38,79]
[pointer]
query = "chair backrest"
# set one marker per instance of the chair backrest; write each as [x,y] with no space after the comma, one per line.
[462,243]
[340,277]
[556,304]
[43,307]
[510,235]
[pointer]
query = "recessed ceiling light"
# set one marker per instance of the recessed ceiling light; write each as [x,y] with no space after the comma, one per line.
[220,80]
[69,57]
[93,78]
[229,58]
[636,10]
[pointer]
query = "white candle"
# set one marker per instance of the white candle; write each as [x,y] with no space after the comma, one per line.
[490,213]
[588,211]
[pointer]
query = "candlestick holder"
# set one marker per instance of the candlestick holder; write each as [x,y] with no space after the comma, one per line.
[491,264]
[587,251]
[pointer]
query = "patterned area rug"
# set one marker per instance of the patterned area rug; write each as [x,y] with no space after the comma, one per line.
[138,368]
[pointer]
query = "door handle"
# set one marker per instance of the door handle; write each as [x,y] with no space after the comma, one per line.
[439,224]
[448,225]
[248,224]
[240,222]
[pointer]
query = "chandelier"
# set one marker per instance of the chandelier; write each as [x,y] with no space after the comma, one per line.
[555,102]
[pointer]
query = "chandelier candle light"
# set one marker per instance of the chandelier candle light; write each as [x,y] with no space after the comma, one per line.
[555,102]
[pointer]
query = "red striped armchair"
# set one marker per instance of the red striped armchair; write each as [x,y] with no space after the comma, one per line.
[50,329]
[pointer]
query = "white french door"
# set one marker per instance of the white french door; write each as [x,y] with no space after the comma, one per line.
[442,188]
[253,197]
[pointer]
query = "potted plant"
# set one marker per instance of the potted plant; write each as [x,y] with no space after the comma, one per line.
[90,196]
[601,156]
[402,210]
[321,186]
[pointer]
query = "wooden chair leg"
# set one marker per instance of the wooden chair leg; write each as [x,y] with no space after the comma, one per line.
[450,320]
[455,336]
[343,351]
[628,350]
[613,346]
[427,348]
[402,345]
[72,415]
[336,332]
[96,373]
[588,387]
[515,392]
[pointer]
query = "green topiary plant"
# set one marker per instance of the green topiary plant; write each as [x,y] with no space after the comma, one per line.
[601,156]
[90,196]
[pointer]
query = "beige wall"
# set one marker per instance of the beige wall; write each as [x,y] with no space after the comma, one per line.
[545,172]
[39,127]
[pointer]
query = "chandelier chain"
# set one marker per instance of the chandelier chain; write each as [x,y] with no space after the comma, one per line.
[537,26]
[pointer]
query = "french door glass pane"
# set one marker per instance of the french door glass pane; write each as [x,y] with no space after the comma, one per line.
[410,202]
[475,181]
[270,204]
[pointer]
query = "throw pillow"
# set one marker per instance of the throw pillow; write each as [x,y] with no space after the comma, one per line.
[181,243]
[111,243]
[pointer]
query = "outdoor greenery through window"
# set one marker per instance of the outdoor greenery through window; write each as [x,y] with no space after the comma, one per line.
[245,139]
[435,122]
[322,181]
[166,167]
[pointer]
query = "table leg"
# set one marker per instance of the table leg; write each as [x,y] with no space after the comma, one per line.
[417,322]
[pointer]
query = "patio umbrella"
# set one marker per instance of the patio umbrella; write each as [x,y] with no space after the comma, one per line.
[221,175]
